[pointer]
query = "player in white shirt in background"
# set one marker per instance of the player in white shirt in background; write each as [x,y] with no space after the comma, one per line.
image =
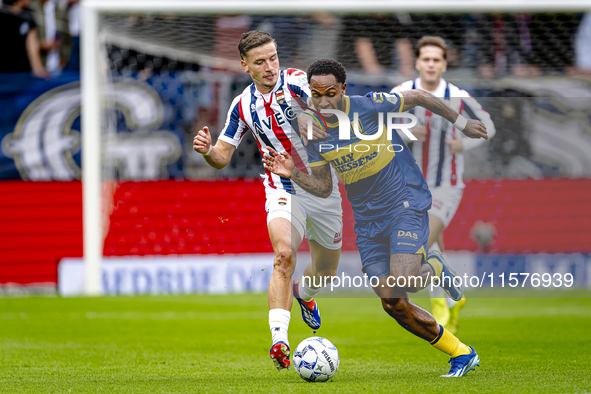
[439,153]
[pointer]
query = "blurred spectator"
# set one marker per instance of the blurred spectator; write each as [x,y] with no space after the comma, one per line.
[53,32]
[583,45]
[285,30]
[375,44]
[552,38]
[19,45]
[446,26]
[498,44]
[321,38]
[228,30]
[128,61]
[74,18]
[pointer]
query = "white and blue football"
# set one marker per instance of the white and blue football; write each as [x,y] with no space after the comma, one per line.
[316,359]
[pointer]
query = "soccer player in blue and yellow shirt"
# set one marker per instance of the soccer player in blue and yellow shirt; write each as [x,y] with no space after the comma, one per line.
[389,196]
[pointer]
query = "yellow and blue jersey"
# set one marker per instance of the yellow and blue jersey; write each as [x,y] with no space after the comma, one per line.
[381,177]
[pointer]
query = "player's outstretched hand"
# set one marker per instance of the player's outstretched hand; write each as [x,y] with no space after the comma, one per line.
[475,129]
[318,131]
[278,163]
[202,140]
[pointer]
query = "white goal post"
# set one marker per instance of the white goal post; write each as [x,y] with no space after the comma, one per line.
[91,70]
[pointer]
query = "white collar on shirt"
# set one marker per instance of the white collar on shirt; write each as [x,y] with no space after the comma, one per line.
[439,92]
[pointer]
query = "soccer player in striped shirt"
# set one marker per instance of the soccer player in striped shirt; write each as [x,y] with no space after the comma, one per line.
[439,153]
[267,108]
[389,196]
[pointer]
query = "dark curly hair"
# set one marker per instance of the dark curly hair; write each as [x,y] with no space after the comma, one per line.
[327,67]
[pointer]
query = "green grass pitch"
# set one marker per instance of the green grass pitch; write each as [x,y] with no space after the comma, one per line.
[180,344]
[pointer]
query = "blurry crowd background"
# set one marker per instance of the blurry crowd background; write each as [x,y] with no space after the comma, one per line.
[496,45]
[531,71]
[40,36]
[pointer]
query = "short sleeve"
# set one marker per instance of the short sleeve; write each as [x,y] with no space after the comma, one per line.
[29,17]
[235,127]
[297,82]
[387,102]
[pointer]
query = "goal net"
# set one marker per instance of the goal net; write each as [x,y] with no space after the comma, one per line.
[154,74]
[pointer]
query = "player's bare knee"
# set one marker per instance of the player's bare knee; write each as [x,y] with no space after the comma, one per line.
[395,306]
[283,259]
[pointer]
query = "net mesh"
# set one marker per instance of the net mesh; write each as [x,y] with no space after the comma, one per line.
[191,62]
[501,41]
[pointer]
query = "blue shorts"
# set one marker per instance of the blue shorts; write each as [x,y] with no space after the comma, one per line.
[406,232]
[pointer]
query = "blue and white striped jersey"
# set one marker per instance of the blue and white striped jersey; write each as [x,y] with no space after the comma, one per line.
[440,167]
[272,119]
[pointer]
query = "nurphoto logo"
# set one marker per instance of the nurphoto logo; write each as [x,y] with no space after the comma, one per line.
[345,127]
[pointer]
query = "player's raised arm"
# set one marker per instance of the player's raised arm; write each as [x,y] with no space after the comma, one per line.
[477,112]
[319,183]
[217,156]
[470,127]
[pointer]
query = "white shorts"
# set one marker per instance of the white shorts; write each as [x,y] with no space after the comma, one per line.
[318,219]
[446,200]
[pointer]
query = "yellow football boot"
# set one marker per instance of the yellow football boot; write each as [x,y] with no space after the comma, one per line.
[440,311]
[454,313]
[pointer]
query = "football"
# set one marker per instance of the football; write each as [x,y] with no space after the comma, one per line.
[316,359]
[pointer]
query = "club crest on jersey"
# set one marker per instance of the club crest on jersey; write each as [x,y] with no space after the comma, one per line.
[280,96]
[282,201]
[253,107]
[378,97]
[436,122]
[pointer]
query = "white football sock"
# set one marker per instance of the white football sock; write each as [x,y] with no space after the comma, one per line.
[307,292]
[279,322]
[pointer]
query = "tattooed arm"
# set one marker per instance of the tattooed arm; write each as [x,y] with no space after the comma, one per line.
[318,184]
[421,98]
